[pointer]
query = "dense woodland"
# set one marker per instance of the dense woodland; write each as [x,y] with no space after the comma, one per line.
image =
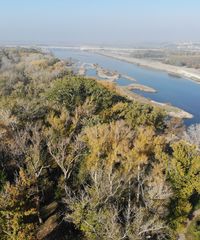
[80,161]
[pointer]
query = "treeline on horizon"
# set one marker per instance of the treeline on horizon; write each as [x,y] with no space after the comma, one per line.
[80,161]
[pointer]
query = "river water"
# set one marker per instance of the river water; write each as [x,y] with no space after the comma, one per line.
[179,92]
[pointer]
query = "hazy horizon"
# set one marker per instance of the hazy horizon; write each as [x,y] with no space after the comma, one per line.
[87,22]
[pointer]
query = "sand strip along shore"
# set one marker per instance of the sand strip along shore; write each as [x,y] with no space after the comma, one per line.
[170,110]
[128,77]
[82,70]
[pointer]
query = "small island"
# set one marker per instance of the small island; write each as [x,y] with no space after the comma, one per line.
[144,88]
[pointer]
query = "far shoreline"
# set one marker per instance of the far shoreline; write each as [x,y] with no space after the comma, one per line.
[175,71]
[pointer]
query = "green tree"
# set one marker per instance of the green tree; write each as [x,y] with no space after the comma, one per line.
[185,180]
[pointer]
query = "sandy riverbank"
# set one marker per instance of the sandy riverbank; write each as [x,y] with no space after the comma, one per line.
[188,73]
[169,109]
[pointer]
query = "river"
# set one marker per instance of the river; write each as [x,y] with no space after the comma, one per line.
[179,92]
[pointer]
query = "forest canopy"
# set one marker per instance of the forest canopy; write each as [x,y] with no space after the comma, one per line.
[78,160]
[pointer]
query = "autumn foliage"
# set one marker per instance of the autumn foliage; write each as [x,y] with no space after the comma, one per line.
[80,161]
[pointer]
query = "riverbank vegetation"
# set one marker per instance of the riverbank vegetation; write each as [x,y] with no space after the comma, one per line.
[80,161]
[181,58]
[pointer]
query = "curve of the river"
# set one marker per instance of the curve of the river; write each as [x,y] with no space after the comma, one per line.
[179,92]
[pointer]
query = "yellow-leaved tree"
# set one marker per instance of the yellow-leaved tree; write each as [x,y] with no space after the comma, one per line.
[18,209]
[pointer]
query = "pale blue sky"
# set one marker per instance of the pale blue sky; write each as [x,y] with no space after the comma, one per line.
[99,21]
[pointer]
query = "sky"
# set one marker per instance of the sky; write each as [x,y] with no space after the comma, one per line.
[96,22]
